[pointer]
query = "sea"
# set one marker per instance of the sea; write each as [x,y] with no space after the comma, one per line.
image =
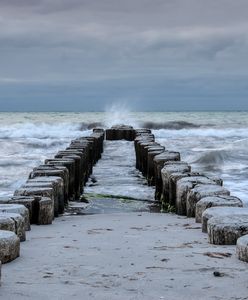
[214,143]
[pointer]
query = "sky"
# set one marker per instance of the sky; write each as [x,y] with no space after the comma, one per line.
[152,55]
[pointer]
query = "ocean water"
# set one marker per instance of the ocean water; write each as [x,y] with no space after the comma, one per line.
[215,143]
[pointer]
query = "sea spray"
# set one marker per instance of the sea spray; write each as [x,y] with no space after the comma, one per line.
[119,113]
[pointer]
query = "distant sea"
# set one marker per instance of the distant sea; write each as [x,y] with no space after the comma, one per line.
[215,143]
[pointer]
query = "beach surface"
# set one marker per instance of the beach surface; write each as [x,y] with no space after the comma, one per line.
[123,256]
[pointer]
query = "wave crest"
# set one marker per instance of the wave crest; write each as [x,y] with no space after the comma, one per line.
[88,126]
[176,125]
[214,157]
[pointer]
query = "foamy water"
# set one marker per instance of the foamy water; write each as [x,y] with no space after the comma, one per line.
[212,142]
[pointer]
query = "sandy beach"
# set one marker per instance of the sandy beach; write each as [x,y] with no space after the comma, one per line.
[117,120]
[123,256]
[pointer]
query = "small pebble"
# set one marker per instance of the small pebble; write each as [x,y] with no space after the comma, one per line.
[218,274]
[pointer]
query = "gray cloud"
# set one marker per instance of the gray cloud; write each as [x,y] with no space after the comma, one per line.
[89,43]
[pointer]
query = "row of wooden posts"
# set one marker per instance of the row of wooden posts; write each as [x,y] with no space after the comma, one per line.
[192,194]
[47,191]
[61,179]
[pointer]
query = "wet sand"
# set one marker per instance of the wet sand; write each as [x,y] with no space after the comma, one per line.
[123,256]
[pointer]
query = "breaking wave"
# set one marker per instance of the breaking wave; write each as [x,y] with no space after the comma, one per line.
[214,157]
[8,163]
[40,130]
[237,133]
[176,125]
[88,126]
[41,144]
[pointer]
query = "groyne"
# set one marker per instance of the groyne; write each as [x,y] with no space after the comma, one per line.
[61,179]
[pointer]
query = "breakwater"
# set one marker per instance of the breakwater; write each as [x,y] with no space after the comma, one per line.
[51,186]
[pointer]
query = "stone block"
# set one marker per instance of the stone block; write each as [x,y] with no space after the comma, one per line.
[215,201]
[28,201]
[17,225]
[221,212]
[198,192]
[9,245]
[17,209]
[159,161]
[169,174]
[183,186]
[242,248]
[225,230]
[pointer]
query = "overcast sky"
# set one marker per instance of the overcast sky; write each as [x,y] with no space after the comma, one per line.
[81,55]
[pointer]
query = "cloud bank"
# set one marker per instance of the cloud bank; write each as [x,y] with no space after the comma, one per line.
[157,54]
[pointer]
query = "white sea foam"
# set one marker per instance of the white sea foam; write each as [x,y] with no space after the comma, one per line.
[25,144]
[39,130]
[215,144]
[239,133]
[213,151]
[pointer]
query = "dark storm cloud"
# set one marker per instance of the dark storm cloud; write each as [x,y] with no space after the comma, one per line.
[132,42]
